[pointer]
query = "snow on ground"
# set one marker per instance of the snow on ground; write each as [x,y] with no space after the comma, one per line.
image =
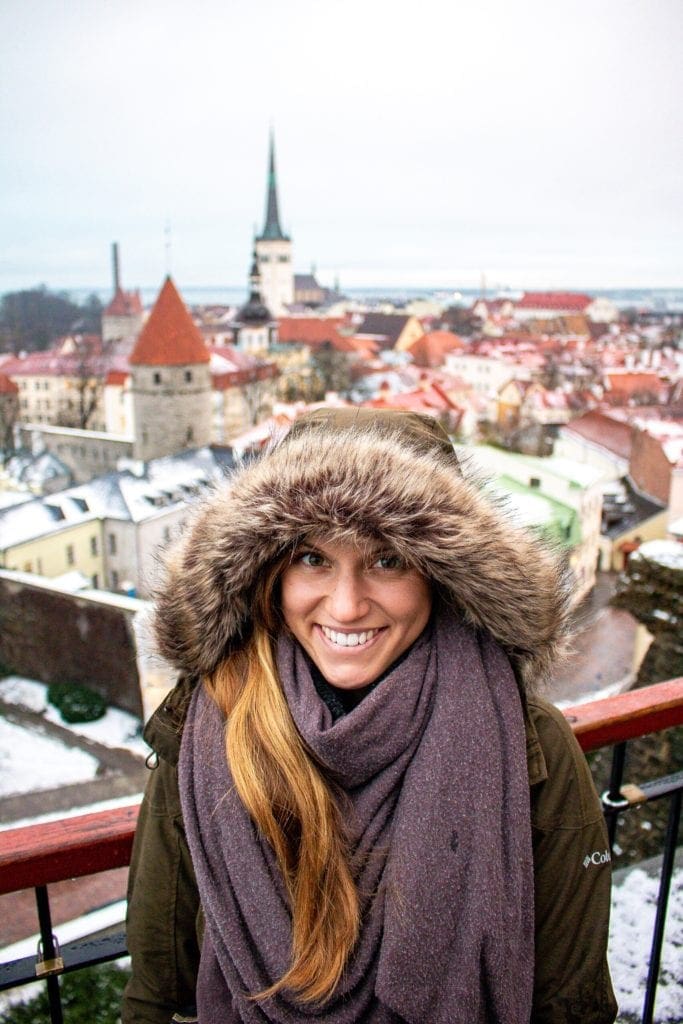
[632,922]
[29,762]
[115,729]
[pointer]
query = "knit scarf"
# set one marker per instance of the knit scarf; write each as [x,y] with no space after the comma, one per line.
[433,761]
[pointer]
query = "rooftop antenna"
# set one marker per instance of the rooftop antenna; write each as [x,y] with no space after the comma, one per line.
[167,246]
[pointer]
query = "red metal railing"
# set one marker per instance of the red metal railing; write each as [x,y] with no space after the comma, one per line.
[37,855]
[40,854]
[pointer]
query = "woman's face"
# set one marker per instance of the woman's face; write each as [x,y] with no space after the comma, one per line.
[353,613]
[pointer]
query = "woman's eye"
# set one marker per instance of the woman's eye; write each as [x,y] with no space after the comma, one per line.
[389,562]
[312,559]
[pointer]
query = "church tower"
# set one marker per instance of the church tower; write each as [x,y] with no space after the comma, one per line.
[171,381]
[274,250]
[253,325]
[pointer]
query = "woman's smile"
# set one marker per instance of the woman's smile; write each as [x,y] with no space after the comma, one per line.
[354,612]
[341,639]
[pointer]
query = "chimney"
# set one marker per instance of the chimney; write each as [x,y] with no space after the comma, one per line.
[115,265]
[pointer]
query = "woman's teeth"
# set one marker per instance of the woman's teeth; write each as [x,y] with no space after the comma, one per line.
[349,639]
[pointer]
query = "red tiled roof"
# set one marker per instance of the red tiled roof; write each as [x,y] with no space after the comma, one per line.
[308,330]
[7,386]
[574,301]
[170,337]
[117,377]
[124,304]
[230,368]
[604,431]
[430,349]
[629,383]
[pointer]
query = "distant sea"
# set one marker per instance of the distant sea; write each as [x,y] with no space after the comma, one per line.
[657,299]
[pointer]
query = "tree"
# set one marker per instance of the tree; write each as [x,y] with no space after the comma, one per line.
[461,321]
[331,370]
[91,315]
[9,414]
[86,359]
[258,398]
[30,320]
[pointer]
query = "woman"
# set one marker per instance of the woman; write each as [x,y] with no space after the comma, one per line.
[361,812]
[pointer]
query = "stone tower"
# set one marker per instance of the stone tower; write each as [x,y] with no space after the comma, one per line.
[171,381]
[274,250]
[122,318]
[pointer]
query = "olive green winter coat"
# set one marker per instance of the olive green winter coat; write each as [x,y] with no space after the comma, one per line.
[352,476]
[571,871]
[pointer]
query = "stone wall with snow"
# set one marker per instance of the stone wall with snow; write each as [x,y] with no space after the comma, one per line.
[49,634]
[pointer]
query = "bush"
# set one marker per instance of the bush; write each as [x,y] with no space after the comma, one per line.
[90,995]
[76,703]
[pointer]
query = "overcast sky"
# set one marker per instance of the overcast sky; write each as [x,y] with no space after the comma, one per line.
[537,141]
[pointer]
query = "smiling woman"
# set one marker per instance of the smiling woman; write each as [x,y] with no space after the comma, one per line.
[362,812]
[354,613]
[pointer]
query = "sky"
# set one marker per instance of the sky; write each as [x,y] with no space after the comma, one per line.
[537,143]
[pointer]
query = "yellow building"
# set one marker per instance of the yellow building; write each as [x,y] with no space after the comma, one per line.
[51,538]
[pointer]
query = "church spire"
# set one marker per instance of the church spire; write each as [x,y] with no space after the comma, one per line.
[272,230]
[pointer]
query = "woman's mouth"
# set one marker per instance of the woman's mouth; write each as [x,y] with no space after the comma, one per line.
[358,639]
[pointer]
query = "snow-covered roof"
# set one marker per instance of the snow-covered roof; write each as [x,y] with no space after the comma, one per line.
[40,517]
[667,553]
[164,484]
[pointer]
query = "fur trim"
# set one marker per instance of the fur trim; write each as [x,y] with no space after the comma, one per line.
[358,484]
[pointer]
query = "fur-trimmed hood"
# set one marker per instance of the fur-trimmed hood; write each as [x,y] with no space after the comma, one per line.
[354,475]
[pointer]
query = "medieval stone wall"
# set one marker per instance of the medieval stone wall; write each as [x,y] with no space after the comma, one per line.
[54,636]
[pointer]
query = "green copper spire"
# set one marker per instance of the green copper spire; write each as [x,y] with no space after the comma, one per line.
[272,230]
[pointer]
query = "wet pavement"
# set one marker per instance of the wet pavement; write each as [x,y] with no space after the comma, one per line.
[602,649]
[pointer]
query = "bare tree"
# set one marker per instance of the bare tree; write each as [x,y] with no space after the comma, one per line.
[9,414]
[87,362]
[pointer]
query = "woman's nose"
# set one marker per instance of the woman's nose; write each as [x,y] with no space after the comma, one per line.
[348,599]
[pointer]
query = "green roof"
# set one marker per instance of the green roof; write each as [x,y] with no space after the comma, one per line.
[554,521]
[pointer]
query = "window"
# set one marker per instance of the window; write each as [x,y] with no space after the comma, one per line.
[112,543]
[40,566]
[28,566]
[70,554]
[114,580]
[93,545]
[157,378]
[95,580]
[188,375]
[167,534]
[190,435]
[534,482]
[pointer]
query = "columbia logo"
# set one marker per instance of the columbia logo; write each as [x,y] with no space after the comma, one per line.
[597,857]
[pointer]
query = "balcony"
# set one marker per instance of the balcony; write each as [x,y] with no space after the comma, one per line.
[36,856]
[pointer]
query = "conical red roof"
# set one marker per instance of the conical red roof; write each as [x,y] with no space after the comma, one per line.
[169,338]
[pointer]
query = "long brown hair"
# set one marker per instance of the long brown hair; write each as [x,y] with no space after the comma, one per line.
[292,804]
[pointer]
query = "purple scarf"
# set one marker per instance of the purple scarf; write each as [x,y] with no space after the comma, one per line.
[434,763]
